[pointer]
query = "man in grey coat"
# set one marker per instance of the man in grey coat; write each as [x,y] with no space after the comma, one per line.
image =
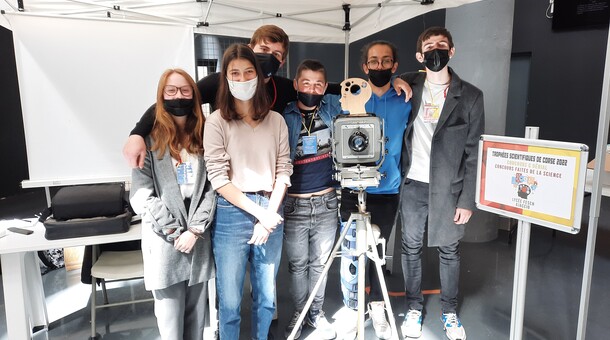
[439,161]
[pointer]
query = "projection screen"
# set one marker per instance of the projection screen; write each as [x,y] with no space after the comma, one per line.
[84,84]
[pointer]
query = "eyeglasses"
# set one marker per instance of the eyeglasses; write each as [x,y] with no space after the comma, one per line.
[172,90]
[385,63]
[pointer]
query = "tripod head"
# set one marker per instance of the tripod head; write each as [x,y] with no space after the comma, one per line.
[361,200]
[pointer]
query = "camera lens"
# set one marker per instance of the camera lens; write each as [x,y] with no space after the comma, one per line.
[358,141]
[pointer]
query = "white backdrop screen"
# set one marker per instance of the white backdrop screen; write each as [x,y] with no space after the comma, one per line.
[84,84]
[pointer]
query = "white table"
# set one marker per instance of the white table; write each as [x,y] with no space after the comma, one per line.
[24,297]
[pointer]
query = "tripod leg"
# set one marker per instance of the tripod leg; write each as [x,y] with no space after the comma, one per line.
[374,256]
[361,248]
[312,294]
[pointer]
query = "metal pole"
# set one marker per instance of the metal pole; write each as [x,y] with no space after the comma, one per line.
[346,28]
[600,161]
[518,245]
[47,192]
[346,56]
[520,282]
[361,244]
[524,230]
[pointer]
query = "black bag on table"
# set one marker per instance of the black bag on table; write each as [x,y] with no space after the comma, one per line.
[88,210]
[84,201]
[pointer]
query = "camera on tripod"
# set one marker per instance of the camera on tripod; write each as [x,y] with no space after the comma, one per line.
[358,142]
[358,151]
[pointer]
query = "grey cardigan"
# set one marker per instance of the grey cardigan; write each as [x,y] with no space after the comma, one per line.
[453,157]
[155,194]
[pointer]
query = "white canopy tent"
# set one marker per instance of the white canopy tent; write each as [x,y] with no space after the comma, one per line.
[76,37]
[322,21]
[325,21]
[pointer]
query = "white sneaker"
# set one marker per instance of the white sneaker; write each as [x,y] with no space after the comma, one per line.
[346,323]
[411,326]
[317,320]
[453,327]
[380,323]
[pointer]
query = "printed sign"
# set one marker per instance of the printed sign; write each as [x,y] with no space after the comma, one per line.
[538,181]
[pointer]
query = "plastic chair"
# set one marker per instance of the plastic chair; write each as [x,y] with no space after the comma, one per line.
[112,266]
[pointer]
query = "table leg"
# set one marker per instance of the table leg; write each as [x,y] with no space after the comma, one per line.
[24,298]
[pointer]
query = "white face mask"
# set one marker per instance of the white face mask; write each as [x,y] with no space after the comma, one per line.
[243,90]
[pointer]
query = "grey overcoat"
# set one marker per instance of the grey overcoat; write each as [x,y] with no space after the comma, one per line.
[155,194]
[453,155]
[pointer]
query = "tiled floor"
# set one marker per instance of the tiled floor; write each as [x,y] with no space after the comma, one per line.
[552,297]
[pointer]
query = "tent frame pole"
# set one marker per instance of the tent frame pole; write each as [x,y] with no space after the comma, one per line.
[600,161]
[346,28]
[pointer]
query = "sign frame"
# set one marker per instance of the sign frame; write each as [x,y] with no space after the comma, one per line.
[529,150]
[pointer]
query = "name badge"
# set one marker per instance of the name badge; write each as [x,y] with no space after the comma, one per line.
[432,113]
[184,173]
[310,145]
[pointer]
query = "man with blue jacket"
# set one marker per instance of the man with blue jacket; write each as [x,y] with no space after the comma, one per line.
[311,206]
[379,61]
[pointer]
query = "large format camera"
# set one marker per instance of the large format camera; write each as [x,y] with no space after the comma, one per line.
[358,139]
[358,145]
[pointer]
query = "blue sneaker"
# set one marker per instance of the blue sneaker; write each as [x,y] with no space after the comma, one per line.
[453,327]
[411,326]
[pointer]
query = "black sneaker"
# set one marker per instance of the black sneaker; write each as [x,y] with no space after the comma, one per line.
[324,329]
[292,324]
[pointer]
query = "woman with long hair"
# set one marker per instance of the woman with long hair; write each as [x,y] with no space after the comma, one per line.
[248,163]
[176,201]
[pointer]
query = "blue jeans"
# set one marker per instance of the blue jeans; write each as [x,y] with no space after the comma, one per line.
[414,212]
[310,226]
[232,230]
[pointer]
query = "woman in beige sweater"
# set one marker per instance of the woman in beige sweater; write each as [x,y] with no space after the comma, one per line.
[248,163]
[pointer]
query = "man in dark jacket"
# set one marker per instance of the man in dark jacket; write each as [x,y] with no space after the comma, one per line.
[439,160]
[271,44]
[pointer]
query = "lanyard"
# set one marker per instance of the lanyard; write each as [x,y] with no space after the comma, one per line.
[430,91]
[274,92]
[179,159]
[313,117]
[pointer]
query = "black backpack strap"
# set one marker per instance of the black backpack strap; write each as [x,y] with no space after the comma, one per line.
[45,214]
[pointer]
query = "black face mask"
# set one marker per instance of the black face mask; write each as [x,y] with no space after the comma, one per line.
[309,99]
[435,60]
[380,78]
[178,107]
[268,63]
